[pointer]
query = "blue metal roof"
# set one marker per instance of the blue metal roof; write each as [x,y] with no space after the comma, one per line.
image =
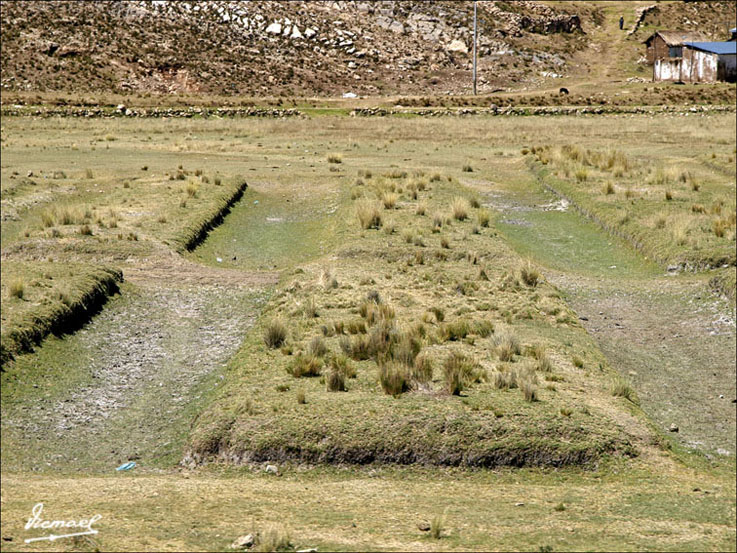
[715,47]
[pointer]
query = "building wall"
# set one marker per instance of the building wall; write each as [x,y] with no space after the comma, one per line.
[657,49]
[695,67]
[727,68]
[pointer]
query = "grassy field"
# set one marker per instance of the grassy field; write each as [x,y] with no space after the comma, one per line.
[424,306]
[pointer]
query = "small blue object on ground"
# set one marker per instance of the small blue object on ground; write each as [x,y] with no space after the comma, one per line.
[126,466]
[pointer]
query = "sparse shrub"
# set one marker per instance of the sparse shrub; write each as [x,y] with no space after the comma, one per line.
[393,377]
[530,276]
[459,207]
[17,289]
[335,158]
[275,334]
[459,371]
[484,216]
[317,347]
[305,365]
[369,214]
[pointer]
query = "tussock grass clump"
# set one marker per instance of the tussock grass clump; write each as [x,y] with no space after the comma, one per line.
[577,362]
[530,276]
[719,228]
[421,208]
[305,365]
[275,334]
[17,289]
[484,217]
[309,309]
[455,331]
[369,214]
[422,371]
[459,371]
[467,168]
[406,349]
[444,242]
[529,389]
[343,365]
[460,208]
[192,190]
[374,313]
[335,381]
[436,527]
[483,328]
[356,327]
[85,230]
[622,388]
[317,347]
[668,195]
[609,189]
[272,539]
[437,220]
[581,174]
[389,199]
[438,312]
[358,348]
[301,399]
[394,378]
[507,346]
[505,378]
[335,158]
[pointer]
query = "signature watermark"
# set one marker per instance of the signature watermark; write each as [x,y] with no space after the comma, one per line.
[83,526]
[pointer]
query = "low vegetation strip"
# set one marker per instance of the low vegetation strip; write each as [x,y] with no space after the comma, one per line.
[197,231]
[450,350]
[678,216]
[49,298]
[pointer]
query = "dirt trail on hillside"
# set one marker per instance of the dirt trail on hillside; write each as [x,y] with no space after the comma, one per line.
[669,335]
[146,359]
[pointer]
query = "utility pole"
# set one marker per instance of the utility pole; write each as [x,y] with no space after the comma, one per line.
[475,35]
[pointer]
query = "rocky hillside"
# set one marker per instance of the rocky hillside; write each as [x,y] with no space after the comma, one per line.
[286,48]
[262,47]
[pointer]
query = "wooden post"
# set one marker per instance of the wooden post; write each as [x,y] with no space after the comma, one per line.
[475,35]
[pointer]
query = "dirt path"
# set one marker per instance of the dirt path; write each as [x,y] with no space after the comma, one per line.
[667,334]
[136,372]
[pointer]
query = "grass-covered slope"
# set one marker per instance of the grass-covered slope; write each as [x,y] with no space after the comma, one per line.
[425,340]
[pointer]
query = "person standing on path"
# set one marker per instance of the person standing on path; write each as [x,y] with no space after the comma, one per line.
[621,23]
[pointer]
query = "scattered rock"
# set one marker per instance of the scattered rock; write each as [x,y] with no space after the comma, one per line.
[673,428]
[272,469]
[423,526]
[457,46]
[244,542]
[274,28]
